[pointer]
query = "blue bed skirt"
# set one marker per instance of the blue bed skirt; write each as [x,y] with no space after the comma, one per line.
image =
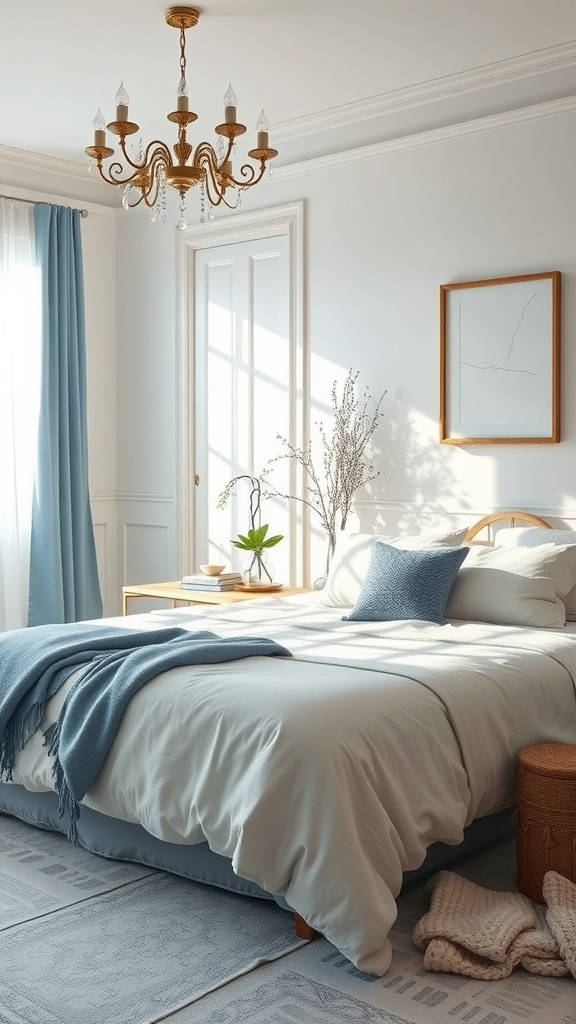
[122,840]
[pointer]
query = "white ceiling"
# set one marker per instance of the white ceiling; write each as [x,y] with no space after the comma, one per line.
[315,66]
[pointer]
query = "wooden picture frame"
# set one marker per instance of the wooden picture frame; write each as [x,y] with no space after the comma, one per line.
[500,360]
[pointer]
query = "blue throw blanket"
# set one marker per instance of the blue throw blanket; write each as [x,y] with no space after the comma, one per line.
[35,662]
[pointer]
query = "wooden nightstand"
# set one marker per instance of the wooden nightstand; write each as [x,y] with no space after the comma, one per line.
[176,594]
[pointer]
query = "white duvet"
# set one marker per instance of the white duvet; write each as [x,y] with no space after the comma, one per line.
[326,775]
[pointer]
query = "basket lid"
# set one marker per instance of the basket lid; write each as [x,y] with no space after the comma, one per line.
[556,759]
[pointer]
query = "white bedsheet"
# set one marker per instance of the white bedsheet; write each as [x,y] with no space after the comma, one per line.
[325,776]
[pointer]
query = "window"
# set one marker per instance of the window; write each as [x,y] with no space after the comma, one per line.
[20,364]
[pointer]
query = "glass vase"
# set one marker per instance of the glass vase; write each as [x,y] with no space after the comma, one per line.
[257,570]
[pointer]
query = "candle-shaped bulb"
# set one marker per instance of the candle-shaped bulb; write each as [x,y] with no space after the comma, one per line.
[262,126]
[121,101]
[99,126]
[182,94]
[99,122]
[230,105]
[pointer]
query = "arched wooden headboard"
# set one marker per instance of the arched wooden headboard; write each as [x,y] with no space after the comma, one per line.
[513,518]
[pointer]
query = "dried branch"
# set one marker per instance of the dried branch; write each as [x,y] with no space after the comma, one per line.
[330,493]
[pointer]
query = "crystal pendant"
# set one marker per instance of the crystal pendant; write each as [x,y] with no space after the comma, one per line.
[182,225]
[160,204]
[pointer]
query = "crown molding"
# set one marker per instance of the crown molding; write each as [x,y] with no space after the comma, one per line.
[26,168]
[54,173]
[491,122]
[19,157]
[448,87]
[33,195]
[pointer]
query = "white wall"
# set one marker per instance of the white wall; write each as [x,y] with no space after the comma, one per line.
[146,399]
[383,231]
[98,246]
[382,235]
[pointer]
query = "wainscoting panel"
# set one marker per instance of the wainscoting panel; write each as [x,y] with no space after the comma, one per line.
[103,507]
[146,552]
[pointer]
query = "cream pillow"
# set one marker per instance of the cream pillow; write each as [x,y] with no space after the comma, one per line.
[529,537]
[351,559]
[514,586]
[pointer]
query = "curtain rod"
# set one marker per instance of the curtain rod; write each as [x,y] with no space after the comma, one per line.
[34,202]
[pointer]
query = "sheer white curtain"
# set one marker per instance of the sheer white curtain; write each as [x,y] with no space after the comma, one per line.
[20,365]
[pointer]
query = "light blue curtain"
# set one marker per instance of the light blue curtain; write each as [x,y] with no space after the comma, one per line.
[64,583]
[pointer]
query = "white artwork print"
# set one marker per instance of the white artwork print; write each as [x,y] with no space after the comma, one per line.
[499,359]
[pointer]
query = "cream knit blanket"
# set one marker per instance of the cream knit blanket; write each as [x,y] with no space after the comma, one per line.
[486,934]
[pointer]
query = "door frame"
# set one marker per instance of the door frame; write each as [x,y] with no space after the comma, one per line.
[280,220]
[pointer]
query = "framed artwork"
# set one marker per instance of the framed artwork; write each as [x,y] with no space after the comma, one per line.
[500,360]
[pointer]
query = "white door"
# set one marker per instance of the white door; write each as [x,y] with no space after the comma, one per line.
[244,390]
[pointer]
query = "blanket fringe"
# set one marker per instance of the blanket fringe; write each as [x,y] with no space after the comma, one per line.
[67,804]
[16,735]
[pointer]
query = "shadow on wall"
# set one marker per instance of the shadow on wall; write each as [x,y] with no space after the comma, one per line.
[415,475]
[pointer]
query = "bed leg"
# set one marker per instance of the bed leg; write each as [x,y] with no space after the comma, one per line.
[303,930]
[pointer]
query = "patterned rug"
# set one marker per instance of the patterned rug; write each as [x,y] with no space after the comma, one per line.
[84,940]
[316,985]
[77,947]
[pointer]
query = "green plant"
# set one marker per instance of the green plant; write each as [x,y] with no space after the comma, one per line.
[256,540]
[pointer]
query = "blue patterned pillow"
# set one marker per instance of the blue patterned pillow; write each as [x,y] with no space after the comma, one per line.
[403,584]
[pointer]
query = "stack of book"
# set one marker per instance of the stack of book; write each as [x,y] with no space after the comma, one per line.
[198,581]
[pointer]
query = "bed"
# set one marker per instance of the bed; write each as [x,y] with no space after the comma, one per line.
[322,779]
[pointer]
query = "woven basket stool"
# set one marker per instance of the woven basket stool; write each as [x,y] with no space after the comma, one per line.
[546,815]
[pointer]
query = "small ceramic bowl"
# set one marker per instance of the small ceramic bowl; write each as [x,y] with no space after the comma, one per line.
[212,570]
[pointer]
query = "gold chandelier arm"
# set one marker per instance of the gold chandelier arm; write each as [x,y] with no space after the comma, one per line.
[159,160]
[112,174]
[249,175]
[150,198]
[151,150]
[222,199]
[205,157]
[217,181]
[129,205]
[205,160]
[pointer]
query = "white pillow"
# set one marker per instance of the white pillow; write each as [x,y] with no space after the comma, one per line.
[351,559]
[514,586]
[531,537]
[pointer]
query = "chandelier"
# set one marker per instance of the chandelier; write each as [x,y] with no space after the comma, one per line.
[145,173]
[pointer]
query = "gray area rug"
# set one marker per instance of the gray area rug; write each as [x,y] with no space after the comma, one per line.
[316,985]
[89,941]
